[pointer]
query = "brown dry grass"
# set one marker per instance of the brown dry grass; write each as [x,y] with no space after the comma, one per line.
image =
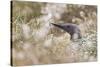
[36,42]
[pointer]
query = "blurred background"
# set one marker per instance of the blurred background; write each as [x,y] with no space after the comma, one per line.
[36,41]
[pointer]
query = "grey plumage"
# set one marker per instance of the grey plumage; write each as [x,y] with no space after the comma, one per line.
[72,29]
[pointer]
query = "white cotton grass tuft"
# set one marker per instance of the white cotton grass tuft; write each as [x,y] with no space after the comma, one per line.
[26,31]
[49,41]
[27,45]
[19,55]
[41,33]
[54,10]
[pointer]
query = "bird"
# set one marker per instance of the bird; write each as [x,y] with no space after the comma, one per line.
[70,28]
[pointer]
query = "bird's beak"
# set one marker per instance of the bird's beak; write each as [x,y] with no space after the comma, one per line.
[57,25]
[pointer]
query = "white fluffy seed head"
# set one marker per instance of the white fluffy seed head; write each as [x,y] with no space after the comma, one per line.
[26,30]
